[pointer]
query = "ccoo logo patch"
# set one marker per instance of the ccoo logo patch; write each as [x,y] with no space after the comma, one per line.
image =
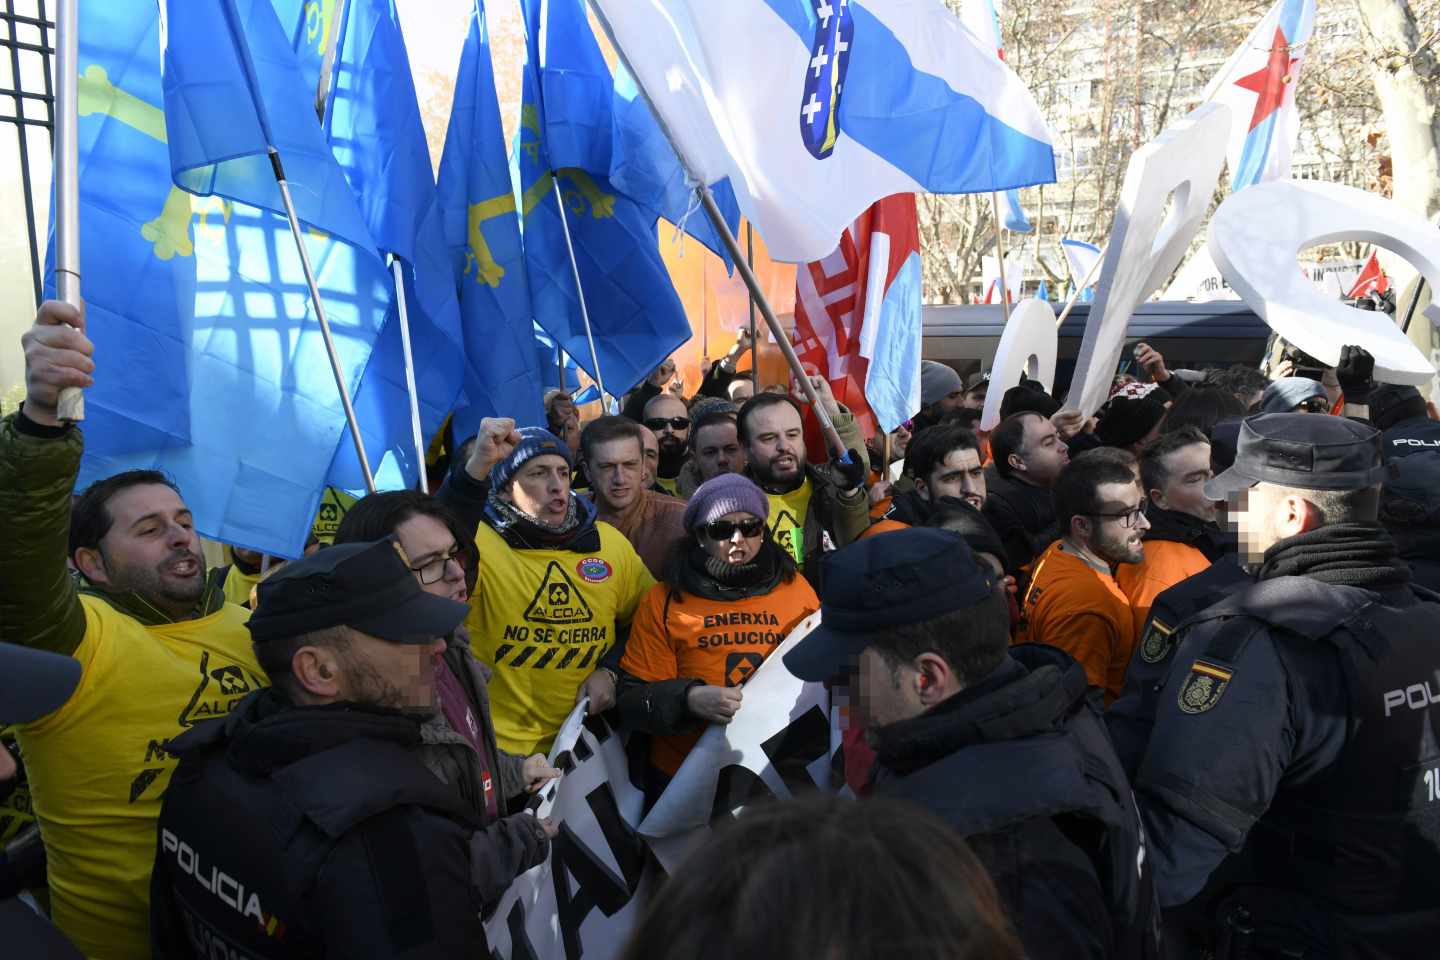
[593,570]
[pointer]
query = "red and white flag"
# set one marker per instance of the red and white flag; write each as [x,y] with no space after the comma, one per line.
[1371,280]
[857,315]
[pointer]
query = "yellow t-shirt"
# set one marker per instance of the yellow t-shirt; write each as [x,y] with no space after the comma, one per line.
[239,584]
[98,766]
[670,485]
[787,519]
[541,620]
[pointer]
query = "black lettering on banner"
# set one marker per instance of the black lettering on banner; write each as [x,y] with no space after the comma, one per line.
[596,885]
[790,752]
[157,751]
[520,946]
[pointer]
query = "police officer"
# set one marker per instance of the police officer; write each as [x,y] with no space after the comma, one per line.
[1001,742]
[308,824]
[1297,726]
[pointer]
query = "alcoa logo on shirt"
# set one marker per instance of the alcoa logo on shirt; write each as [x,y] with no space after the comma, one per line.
[220,884]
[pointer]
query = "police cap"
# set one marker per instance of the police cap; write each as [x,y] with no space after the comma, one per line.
[875,584]
[1305,450]
[367,586]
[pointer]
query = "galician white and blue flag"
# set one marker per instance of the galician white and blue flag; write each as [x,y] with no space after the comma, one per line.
[1258,83]
[815,109]
[982,18]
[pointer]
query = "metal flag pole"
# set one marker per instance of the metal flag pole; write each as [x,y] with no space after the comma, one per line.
[754,340]
[325,334]
[579,290]
[71,404]
[1000,255]
[397,272]
[322,100]
[327,64]
[732,246]
[1075,297]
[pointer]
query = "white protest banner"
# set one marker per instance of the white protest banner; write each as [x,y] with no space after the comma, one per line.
[1258,233]
[778,744]
[1028,345]
[584,900]
[1185,162]
[1199,280]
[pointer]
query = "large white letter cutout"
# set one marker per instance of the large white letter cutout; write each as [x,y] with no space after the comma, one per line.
[1184,160]
[1030,333]
[1257,236]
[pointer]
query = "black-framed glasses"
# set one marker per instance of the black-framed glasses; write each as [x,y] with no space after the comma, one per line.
[1128,518]
[674,423]
[719,530]
[434,570]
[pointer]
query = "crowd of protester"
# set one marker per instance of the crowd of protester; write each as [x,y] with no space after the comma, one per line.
[1151,683]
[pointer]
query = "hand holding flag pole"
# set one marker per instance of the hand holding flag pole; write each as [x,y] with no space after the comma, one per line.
[71,405]
[732,247]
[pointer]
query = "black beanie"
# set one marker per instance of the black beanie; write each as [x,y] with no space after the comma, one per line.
[1025,398]
[1128,420]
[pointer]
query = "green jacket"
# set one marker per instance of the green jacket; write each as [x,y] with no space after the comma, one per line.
[39,596]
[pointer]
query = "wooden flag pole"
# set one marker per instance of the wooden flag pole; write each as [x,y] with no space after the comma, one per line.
[1000,255]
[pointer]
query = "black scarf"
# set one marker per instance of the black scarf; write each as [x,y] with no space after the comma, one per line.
[704,576]
[1346,554]
[1177,527]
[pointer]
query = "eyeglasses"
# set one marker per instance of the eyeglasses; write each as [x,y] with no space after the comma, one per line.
[674,423]
[435,569]
[719,530]
[1127,519]
[1313,405]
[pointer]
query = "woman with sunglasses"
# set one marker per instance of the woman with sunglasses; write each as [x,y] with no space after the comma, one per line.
[729,597]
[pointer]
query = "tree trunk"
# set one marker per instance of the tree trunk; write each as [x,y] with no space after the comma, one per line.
[1407,81]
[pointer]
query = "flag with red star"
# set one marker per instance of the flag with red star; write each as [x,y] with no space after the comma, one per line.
[1258,83]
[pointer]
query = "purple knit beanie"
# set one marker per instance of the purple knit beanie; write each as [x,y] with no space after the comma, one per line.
[727,493]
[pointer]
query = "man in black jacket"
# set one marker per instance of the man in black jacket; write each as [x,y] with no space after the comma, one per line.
[1029,455]
[1003,743]
[307,823]
[1294,741]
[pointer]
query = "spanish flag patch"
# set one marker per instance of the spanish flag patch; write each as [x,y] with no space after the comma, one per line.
[1203,686]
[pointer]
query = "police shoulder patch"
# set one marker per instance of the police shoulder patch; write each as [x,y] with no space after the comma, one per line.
[1203,686]
[1158,642]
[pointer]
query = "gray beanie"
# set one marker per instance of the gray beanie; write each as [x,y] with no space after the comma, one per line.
[1287,393]
[727,493]
[938,381]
